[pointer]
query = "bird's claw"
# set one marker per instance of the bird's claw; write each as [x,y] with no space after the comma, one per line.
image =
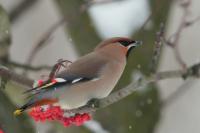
[94,103]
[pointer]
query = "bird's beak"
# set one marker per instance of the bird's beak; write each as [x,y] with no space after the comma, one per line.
[134,44]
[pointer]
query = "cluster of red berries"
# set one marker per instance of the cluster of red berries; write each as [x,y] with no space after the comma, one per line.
[1,131]
[55,113]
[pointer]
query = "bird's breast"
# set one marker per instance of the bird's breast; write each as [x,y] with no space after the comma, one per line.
[109,79]
[79,94]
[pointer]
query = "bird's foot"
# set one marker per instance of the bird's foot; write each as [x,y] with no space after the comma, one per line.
[94,103]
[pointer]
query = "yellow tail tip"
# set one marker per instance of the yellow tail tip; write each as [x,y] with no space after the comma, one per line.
[17,112]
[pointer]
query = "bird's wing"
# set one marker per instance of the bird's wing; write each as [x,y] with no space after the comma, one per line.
[57,82]
[85,69]
[87,66]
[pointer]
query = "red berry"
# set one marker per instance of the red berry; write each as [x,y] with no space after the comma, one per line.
[1,131]
[56,113]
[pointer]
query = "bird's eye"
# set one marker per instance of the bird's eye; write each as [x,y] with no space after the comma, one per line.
[126,42]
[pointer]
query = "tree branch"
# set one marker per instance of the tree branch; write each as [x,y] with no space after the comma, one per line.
[132,87]
[157,48]
[174,44]
[21,8]
[179,91]
[193,71]
[29,67]
[10,75]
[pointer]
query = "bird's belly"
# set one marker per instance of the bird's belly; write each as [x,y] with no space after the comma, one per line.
[70,98]
[78,95]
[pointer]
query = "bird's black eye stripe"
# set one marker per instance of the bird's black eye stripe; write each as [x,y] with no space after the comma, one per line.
[126,43]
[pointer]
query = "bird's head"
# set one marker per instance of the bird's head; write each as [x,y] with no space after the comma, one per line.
[117,44]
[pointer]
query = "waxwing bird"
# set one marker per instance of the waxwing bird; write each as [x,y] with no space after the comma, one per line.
[91,76]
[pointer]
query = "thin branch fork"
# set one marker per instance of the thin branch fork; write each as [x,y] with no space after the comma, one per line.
[174,44]
[192,22]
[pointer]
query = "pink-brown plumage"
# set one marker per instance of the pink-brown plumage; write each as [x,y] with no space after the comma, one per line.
[91,76]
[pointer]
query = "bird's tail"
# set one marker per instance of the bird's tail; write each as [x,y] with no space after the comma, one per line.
[20,110]
[32,103]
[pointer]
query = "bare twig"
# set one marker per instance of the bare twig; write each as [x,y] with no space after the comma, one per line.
[158,7]
[29,67]
[192,22]
[10,75]
[157,48]
[174,44]
[194,70]
[21,8]
[42,41]
[179,91]
[146,22]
